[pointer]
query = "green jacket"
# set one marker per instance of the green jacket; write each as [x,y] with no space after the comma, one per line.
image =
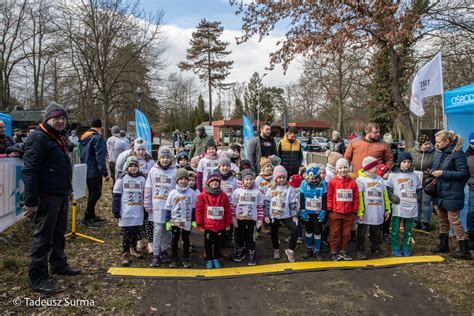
[199,145]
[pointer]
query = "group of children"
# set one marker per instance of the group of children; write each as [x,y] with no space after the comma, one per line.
[220,195]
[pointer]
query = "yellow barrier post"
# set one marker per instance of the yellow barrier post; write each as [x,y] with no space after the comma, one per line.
[73,234]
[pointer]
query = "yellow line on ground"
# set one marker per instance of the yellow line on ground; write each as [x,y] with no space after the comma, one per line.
[269,268]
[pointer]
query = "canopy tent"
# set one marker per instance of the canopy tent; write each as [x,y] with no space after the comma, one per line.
[459,110]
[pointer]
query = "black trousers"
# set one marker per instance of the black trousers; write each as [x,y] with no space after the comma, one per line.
[112,172]
[94,186]
[375,237]
[386,225]
[275,227]
[213,244]
[313,226]
[48,238]
[246,234]
[130,236]
[175,233]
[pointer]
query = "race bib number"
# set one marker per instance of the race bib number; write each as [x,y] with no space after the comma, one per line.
[227,188]
[162,187]
[278,207]
[313,204]
[344,195]
[133,192]
[215,212]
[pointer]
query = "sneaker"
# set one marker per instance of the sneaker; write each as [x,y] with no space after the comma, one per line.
[209,264]
[99,220]
[217,264]
[135,253]
[345,256]
[165,258]
[308,254]
[335,256]
[252,258]
[276,254]
[300,240]
[361,255]
[89,223]
[186,264]
[155,261]
[126,259]
[386,239]
[407,252]
[173,264]
[290,254]
[396,253]
[239,255]
[317,255]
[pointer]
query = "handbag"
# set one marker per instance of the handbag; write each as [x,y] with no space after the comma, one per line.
[429,185]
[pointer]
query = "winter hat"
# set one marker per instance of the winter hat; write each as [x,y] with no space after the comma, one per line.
[342,162]
[424,138]
[182,155]
[404,155]
[245,164]
[96,123]
[295,181]
[195,160]
[382,170]
[131,160]
[279,171]
[369,162]
[265,161]
[211,144]
[213,177]
[54,110]
[181,173]
[333,158]
[115,130]
[312,171]
[471,138]
[191,174]
[275,160]
[140,143]
[165,152]
[247,173]
[225,154]
[224,161]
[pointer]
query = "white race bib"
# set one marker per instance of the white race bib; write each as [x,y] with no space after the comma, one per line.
[313,204]
[215,212]
[344,195]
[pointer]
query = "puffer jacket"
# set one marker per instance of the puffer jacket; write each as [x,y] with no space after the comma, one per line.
[291,155]
[450,187]
[202,220]
[337,146]
[333,202]
[94,153]
[422,160]
[360,148]
[47,169]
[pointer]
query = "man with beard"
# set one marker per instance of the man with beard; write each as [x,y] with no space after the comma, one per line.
[370,145]
[47,175]
[261,146]
[200,142]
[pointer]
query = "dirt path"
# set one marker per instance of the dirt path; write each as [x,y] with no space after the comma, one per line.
[381,292]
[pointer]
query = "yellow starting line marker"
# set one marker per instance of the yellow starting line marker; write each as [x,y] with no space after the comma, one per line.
[269,268]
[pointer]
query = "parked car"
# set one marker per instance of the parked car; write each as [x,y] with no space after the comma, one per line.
[323,142]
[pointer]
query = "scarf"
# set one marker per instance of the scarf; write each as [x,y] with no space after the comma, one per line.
[213,191]
[227,176]
[181,189]
[55,135]
[266,175]
[163,167]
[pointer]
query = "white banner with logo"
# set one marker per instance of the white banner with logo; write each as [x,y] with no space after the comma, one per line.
[11,188]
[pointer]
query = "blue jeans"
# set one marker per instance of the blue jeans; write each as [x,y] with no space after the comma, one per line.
[470,213]
[425,209]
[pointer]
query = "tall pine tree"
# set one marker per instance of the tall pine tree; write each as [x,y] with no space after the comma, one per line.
[252,94]
[238,109]
[206,56]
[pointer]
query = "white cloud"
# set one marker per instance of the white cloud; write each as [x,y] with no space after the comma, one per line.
[248,57]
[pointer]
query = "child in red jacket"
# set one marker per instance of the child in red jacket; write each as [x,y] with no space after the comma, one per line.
[342,205]
[213,214]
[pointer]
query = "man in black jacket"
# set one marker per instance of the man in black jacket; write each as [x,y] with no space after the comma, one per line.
[260,146]
[47,175]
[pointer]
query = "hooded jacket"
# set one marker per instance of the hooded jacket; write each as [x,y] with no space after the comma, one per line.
[450,187]
[343,195]
[94,153]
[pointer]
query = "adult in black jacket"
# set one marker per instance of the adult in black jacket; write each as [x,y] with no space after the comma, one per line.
[450,168]
[47,175]
[337,143]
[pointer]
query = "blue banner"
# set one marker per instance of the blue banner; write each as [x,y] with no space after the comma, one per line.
[143,128]
[7,119]
[248,133]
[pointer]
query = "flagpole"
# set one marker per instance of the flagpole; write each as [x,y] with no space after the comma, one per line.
[445,123]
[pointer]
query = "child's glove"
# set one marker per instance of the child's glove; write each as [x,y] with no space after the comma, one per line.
[322,216]
[259,224]
[168,225]
[194,224]
[304,215]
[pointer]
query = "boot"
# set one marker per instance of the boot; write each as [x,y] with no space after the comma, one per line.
[471,241]
[443,246]
[463,252]
[125,259]
[308,254]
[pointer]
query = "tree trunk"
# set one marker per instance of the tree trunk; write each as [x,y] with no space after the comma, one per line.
[403,113]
